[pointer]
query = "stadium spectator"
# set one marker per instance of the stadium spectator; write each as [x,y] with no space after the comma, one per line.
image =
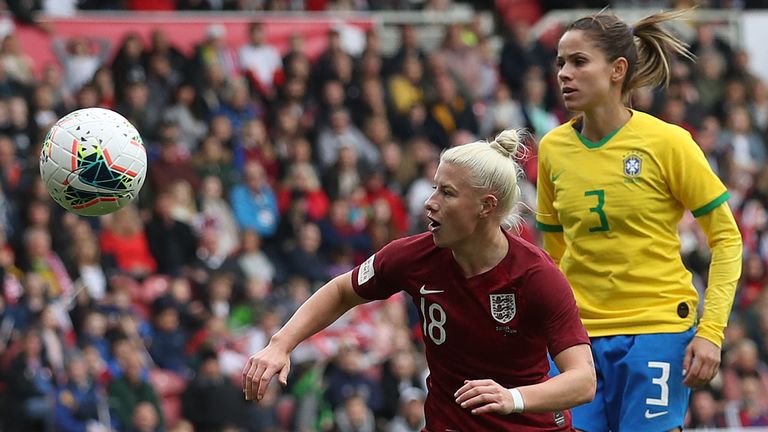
[304,259]
[404,87]
[519,54]
[540,119]
[77,401]
[401,383]
[301,179]
[124,239]
[211,401]
[744,361]
[213,159]
[237,105]
[254,202]
[145,419]
[252,259]
[355,415]
[173,162]
[211,82]
[56,336]
[253,143]
[136,107]
[184,112]
[127,65]
[214,51]
[372,102]
[408,46]
[745,147]
[704,411]
[12,175]
[32,384]
[711,70]
[261,62]
[15,62]
[161,82]
[80,59]
[216,213]
[410,417]
[167,339]
[41,259]
[159,44]
[448,112]
[748,411]
[171,242]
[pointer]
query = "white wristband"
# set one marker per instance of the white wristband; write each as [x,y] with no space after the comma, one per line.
[517,398]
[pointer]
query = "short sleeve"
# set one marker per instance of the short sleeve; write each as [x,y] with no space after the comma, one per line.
[546,216]
[371,279]
[690,177]
[554,301]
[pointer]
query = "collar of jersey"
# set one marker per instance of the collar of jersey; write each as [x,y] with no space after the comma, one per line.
[591,144]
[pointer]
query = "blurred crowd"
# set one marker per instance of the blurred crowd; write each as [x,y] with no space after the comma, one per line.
[270,173]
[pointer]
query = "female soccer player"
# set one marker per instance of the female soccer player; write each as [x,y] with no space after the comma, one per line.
[613,184]
[491,306]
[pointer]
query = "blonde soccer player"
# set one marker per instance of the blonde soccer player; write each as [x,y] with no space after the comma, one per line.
[491,306]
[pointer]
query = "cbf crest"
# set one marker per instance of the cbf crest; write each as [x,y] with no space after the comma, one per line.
[633,165]
[503,307]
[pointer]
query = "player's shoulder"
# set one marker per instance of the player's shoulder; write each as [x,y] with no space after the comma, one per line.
[529,254]
[651,126]
[401,257]
[534,266]
[409,247]
[416,241]
[561,132]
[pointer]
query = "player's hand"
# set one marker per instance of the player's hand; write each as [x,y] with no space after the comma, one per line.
[701,363]
[261,367]
[484,397]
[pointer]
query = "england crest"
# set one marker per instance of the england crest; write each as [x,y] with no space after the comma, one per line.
[503,307]
[633,165]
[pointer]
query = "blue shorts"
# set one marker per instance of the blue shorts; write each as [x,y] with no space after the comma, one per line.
[639,384]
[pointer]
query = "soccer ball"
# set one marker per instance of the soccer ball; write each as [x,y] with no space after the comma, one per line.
[93,162]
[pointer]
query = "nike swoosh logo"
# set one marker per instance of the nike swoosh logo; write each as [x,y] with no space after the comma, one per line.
[75,181]
[424,291]
[650,415]
[554,177]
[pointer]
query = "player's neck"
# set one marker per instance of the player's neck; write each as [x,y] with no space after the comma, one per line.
[482,254]
[602,121]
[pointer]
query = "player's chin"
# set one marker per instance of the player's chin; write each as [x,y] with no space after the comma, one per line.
[437,240]
[573,105]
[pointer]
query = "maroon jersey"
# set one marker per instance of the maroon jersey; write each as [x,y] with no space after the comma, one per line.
[497,325]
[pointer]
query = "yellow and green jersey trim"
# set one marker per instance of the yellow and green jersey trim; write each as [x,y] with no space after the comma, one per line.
[701,211]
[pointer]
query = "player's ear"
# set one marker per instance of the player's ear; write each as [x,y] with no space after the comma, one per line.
[488,204]
[619,71]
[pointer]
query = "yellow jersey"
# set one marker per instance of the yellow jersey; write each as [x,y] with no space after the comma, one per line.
[618,203]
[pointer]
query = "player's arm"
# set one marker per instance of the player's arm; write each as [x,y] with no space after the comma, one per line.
[554,244]
[320,310]
[702,358]
[692,182]
[574,386]
[546,218]
[724,241]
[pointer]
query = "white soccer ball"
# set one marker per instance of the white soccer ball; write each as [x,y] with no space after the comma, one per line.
[93,162]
